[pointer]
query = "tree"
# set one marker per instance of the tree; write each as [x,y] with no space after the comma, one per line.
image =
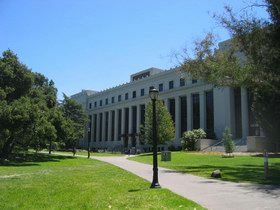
[165,125]
[75,121]
[27,99]
[251,59]
[228,141]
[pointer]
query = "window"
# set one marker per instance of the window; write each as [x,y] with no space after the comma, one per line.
[119,98]
[89,106]
[126,96]
[194,81]
[171,84]
[237,112]
[113,100]
[182,82]
[209,111]
[142,114]
[195,110]
[95,104]
[172,108]
[183,109]
[160,87]
[100,103]
[106,101]
[142,91]
[134,94]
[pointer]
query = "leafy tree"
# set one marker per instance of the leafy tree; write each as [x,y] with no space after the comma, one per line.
[27,100]
[165,125]
[251,59]
[75,121]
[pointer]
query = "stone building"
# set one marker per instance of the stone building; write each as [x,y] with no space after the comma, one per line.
[115,114]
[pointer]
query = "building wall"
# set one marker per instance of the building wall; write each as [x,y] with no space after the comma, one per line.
[223,103]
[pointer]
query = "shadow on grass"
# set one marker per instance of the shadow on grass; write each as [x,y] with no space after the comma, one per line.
[275,155]
[137,190]
[30,159]
[242,173]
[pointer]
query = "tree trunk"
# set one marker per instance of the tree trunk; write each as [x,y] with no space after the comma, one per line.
[7,149]
[50,147]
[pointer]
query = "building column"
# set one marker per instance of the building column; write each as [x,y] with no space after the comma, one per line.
[166,103]
[244,113]
[103,126]
[189,112]
[109,125]
[130,116]
[177,119]
[91,130]
[97,127]
[116,124]
[123,120]
[202,109]
[138,123]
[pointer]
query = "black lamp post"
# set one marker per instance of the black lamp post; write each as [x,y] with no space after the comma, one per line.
[154,95]
[89,135]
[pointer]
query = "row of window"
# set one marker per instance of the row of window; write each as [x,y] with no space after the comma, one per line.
[195,115]
[142,92]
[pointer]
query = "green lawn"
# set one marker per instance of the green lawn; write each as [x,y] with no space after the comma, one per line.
[237,169]
[59,182]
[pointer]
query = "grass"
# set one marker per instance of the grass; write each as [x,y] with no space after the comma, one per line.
[40,181]
[237,169]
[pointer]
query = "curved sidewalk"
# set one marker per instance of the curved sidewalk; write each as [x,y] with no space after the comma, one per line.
[212,194]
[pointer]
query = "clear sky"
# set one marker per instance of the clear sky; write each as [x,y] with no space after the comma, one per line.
[97,44]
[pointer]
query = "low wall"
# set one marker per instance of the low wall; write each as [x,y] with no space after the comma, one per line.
[204,143]
[258,144]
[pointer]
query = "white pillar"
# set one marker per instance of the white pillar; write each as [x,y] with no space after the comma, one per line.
[97,127]
[177,119]
[138,123]
[116,124]
[130,119]
[202,109]
[123,120]
[189,112]
[109,126]
[166,103]
[244,113]
[103,126]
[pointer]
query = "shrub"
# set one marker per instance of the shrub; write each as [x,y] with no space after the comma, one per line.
[191,137]
[228,142]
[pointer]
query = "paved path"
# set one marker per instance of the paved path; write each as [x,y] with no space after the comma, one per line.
[212,194]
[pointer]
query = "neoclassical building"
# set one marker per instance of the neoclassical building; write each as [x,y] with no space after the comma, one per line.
[115,114]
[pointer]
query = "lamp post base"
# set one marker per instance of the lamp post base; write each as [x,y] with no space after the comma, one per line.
[155,185]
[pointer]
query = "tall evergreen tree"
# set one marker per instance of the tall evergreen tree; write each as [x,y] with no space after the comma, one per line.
[165,124]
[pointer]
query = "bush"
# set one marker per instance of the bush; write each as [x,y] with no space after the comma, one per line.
[191,137]
[228,142]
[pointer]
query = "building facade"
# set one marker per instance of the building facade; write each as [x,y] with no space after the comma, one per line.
[115,114]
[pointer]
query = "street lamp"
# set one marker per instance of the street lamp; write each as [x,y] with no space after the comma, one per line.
[154,95]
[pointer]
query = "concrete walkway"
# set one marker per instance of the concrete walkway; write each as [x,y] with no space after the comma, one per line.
[212,194]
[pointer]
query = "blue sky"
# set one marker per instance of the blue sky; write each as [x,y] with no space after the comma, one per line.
[97,44]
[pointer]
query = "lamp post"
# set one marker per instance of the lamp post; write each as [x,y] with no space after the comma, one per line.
[154,95]
[88,142]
